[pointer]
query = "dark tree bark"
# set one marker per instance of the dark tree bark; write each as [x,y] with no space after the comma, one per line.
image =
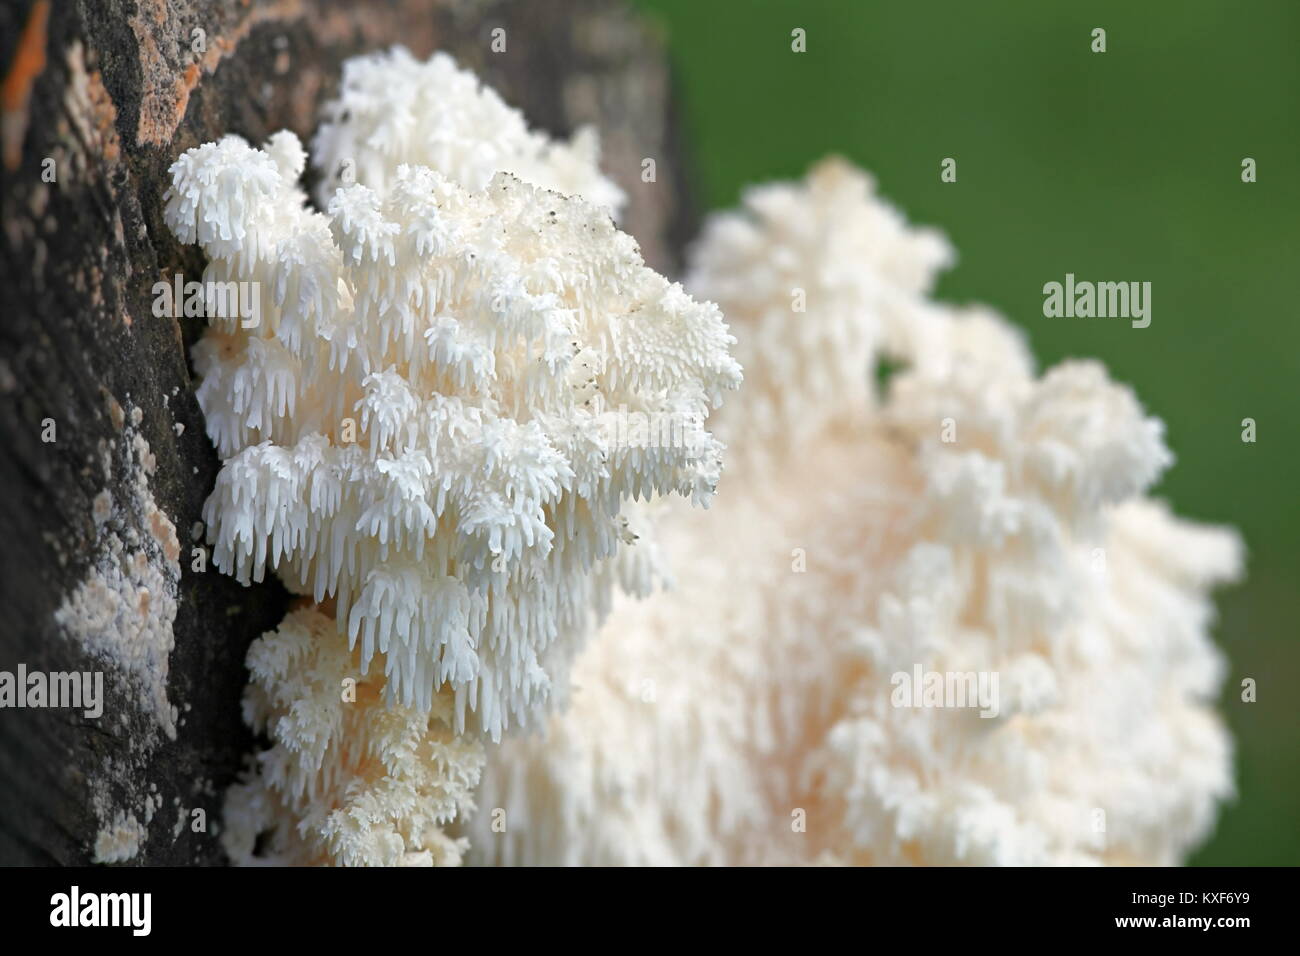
[112,91]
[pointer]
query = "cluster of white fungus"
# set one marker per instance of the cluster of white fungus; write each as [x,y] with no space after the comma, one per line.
[365,783]
[976,519]
[426,434]
[394,109]
[421,434]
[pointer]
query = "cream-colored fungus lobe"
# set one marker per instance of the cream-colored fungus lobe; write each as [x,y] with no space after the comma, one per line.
[974,518]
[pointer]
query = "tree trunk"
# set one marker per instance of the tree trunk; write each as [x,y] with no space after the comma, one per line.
[98,98]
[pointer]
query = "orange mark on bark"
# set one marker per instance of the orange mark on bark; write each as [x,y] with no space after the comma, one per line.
[165,95]
[181,92]
[16,91]
[92,111]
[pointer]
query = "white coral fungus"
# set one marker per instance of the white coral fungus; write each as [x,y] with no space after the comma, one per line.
[976,519]
[421,433]
[354,781]
[394,109]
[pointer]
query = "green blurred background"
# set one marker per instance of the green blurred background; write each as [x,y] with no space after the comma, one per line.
[1123,165]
